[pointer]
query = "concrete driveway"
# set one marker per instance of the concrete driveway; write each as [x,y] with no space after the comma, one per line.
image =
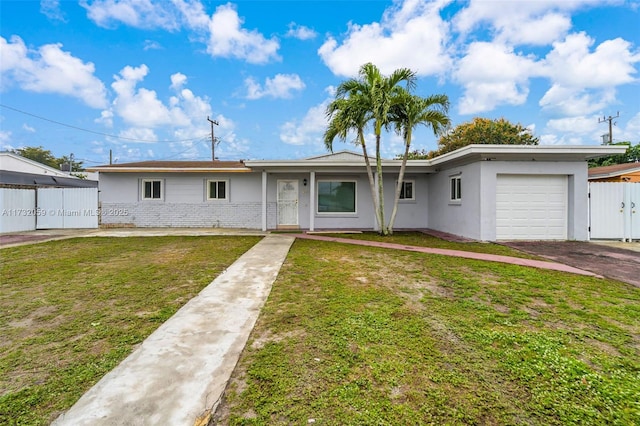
[619,261]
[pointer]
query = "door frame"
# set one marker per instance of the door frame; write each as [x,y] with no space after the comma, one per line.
[280,203]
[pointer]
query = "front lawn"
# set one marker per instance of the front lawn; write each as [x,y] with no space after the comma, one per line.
[71,310]
[368,336]
[420,239]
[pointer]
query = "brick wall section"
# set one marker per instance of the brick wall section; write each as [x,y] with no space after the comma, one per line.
[182,215]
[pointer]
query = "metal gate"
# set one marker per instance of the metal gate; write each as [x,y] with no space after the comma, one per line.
[67,208]
[614,210]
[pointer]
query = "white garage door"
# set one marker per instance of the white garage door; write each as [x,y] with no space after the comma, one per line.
[531,207]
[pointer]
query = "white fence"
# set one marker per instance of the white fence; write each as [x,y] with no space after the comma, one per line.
[614,209]
[18,210]
[48,208]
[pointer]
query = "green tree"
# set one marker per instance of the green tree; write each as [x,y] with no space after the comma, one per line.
[632,155]
[46,157]
[416,154]
[411,112]
[76,166]
[484,131]
[375,94]
[39,154]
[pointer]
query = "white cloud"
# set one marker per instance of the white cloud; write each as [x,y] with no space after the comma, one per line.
[309,130]
[28,128]
[586,129]
[582,81]
[487,85]
[300,32]
[577,125]
[51,9]
[178,80]
[5,138]
[537,22]
[106,118]
[50,70]
[151,45]
[193,13]
[139,107]
[140,134]
[572,65]
[280,86]
[135,13]
[229,40]
[222,31]
[410,35]
[184,114]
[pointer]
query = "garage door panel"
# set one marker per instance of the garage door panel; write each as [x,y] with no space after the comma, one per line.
[532,207]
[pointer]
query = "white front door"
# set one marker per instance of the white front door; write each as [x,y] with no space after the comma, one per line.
[287,203]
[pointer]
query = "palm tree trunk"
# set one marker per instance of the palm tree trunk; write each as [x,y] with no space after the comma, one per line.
[396,199]
[372,185]
[383,225]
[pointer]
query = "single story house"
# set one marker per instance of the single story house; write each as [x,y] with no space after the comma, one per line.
[627,172]
[482,192]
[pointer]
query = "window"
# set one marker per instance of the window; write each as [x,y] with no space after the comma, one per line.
[406,192]
[152,190]
[216,190]
[456,188]
[336,196]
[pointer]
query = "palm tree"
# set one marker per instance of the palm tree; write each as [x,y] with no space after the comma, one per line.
[409,113]
[351,115]
[375,95]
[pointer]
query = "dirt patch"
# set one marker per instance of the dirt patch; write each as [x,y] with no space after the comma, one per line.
[22,238]
[611,262]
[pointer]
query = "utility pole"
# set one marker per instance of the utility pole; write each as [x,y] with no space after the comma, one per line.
[610,120]
[213,139]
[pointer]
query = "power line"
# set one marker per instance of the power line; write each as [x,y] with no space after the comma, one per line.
[610,120]
[94,132]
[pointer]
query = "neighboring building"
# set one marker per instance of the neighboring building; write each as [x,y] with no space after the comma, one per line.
[17,171]
[626,172]
[35,196]
[483,192]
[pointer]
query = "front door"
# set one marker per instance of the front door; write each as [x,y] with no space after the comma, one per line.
[287,204]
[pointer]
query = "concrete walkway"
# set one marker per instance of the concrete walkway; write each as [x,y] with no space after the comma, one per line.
[456,253]
[179,373]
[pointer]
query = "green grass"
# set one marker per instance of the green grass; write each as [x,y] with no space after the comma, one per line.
[368,336]
[413,238]
[71,310]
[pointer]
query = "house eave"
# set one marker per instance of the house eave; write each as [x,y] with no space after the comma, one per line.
[166,170]
[306,166]
[614,174]
[473,153]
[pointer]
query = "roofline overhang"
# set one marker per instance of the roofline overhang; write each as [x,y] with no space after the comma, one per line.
[479,152]
[166,170]
[464,155]
[614,174]
[306,166]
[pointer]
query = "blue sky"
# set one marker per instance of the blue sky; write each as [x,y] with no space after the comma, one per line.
[140,77]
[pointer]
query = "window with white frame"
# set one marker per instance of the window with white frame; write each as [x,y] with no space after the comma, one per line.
[456,188]
[406,192]
[217,189]
[152,189]
[336,196]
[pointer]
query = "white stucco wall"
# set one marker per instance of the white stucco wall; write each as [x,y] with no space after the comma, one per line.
[475,216]
[459,218]
[184,202]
